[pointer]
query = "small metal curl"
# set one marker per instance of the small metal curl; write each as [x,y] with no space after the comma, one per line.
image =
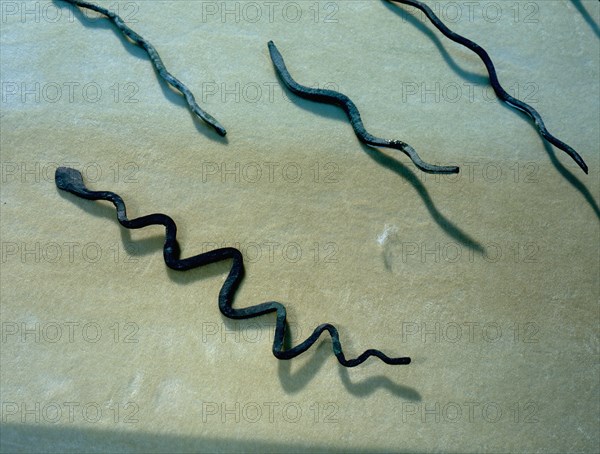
[341,100]
[500,92]
[157,62]
[71,180]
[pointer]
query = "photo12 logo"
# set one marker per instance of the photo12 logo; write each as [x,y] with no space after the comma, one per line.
[470,412]
[270,11]
[69,332]
[69,412]
[453,92]
[67,252]
[270,412]
[245,332]
[29,172]
[68,92]
[468,332]
[453,252]
[523,12]
[274,251]
[252,92]
[52,12]
[489,172]
[270,172]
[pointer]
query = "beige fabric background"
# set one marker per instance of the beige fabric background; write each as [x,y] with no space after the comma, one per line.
[488,280]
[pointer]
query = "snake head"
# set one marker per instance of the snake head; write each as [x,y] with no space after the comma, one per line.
[70,180]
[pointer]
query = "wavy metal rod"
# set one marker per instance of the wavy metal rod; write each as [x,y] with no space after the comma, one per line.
[341,100]
[71,180]
[157,62]
[500,92]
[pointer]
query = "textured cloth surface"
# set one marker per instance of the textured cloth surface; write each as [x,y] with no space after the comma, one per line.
[488,279]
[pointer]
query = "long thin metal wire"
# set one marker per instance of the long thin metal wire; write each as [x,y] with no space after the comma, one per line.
[341,100]
[157,62]
[500,92]
[71,180]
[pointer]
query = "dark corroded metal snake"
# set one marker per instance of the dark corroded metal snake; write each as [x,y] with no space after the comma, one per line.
[500,92]
[341,100]
[157,62]
[71,180]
